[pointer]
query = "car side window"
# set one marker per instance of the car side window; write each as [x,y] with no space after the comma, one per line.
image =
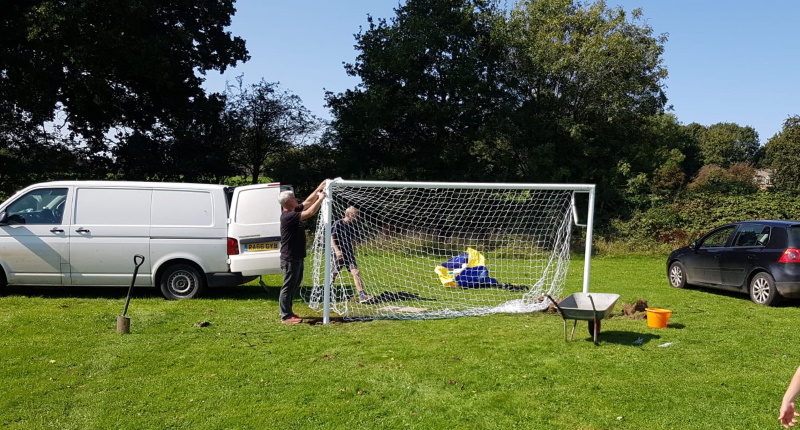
[751,235]
[717,239]
[37,207]
[762,237]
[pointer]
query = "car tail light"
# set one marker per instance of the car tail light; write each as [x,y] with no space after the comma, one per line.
[791,255]
[233,246]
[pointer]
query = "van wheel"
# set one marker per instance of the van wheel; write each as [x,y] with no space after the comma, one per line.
[181,281]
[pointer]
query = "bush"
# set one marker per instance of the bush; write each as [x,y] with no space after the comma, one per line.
[679,222]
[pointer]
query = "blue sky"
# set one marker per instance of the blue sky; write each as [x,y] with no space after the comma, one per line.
[728,61]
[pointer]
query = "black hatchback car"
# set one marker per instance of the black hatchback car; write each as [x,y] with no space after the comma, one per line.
[761,258]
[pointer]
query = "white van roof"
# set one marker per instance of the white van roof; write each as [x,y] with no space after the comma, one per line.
[135,184]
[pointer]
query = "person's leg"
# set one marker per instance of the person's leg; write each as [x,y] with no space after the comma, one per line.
[357,278]
[336,265]
[362,295]
[292,276]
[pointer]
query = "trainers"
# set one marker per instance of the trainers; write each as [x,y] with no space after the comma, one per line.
[294,319]
[364,297]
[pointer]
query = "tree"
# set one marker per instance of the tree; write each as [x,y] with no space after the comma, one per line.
[783,156]
[738,179]
[587,81]
[110,64]
[430,85]
[189,148]
[264,121]
[725,144]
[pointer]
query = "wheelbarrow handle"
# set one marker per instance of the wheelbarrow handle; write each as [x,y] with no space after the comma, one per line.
[556,304]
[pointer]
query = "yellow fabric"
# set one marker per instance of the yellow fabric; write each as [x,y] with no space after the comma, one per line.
[475,258]
[446,277]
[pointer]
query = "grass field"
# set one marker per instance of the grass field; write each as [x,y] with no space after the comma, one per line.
[225,362]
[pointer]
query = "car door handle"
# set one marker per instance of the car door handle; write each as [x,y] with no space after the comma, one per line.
[56,230]
[82,230]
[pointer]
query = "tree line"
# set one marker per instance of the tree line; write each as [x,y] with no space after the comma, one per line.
[449,90]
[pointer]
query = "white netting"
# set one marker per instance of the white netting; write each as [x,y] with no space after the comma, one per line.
[447,251]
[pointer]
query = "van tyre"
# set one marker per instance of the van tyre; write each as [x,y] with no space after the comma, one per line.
[763,291]
[181,281]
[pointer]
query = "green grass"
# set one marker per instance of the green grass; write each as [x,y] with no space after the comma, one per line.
[63,365]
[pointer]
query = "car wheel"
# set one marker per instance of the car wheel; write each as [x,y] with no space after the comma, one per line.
[181,281]
[3,283]
[677,275]
[763,291]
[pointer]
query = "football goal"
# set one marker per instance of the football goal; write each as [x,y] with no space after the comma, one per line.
[440,250]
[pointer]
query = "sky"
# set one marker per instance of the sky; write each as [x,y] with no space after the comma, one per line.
[733,61]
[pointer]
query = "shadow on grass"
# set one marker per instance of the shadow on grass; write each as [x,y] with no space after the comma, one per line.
[248,292]
[81,292]
[740,295]
[629,338]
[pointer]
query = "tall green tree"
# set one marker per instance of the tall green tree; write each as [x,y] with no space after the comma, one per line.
[587,81]
[109,64]
[725,144]
[263,121]
[783,156]
[431,81]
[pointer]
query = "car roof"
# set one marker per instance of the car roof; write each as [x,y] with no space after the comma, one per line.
[770,222]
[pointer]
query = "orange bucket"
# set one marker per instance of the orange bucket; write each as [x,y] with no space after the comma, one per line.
[657,318]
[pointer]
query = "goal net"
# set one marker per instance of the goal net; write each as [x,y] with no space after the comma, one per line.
[439,250]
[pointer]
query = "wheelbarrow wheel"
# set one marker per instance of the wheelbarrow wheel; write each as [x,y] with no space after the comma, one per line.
[591,327]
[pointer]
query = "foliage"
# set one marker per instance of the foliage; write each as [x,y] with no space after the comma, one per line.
[110,63]
[783,156]
[264,122]
[551,92]
[725,144]
[682,220]
[74,74]
[225,361]
[738,179]
[304,167]
[190,148]
[430,81]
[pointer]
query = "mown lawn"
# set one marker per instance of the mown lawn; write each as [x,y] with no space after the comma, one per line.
[225,362]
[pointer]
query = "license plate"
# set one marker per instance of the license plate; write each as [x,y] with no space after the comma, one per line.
[262,246]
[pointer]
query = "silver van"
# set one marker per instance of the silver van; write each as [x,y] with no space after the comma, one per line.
[192,235]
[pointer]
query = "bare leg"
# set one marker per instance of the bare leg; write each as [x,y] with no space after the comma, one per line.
[357,278]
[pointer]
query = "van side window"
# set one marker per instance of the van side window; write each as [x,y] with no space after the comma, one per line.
[43,206]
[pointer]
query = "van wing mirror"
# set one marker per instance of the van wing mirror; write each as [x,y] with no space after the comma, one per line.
[3,218]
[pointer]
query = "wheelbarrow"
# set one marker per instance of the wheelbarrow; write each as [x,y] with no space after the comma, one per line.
[591,307]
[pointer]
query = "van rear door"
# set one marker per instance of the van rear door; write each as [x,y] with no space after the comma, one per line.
[254,222]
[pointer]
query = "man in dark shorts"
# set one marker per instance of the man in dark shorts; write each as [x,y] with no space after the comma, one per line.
[343,234]
[293,246]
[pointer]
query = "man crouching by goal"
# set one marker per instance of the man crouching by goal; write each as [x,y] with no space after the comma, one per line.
[342,234]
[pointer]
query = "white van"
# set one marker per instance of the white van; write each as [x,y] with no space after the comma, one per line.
[87,232]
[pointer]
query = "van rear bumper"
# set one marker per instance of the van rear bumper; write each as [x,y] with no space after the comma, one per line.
[255,263]
[227,279]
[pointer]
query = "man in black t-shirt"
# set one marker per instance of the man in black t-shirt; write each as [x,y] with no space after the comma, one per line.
[293,246]
[343,234]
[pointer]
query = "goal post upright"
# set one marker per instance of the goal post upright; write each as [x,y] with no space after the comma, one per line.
[327,208]
[341,193]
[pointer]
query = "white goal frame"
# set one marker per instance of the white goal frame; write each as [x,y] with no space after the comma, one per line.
[330,189]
